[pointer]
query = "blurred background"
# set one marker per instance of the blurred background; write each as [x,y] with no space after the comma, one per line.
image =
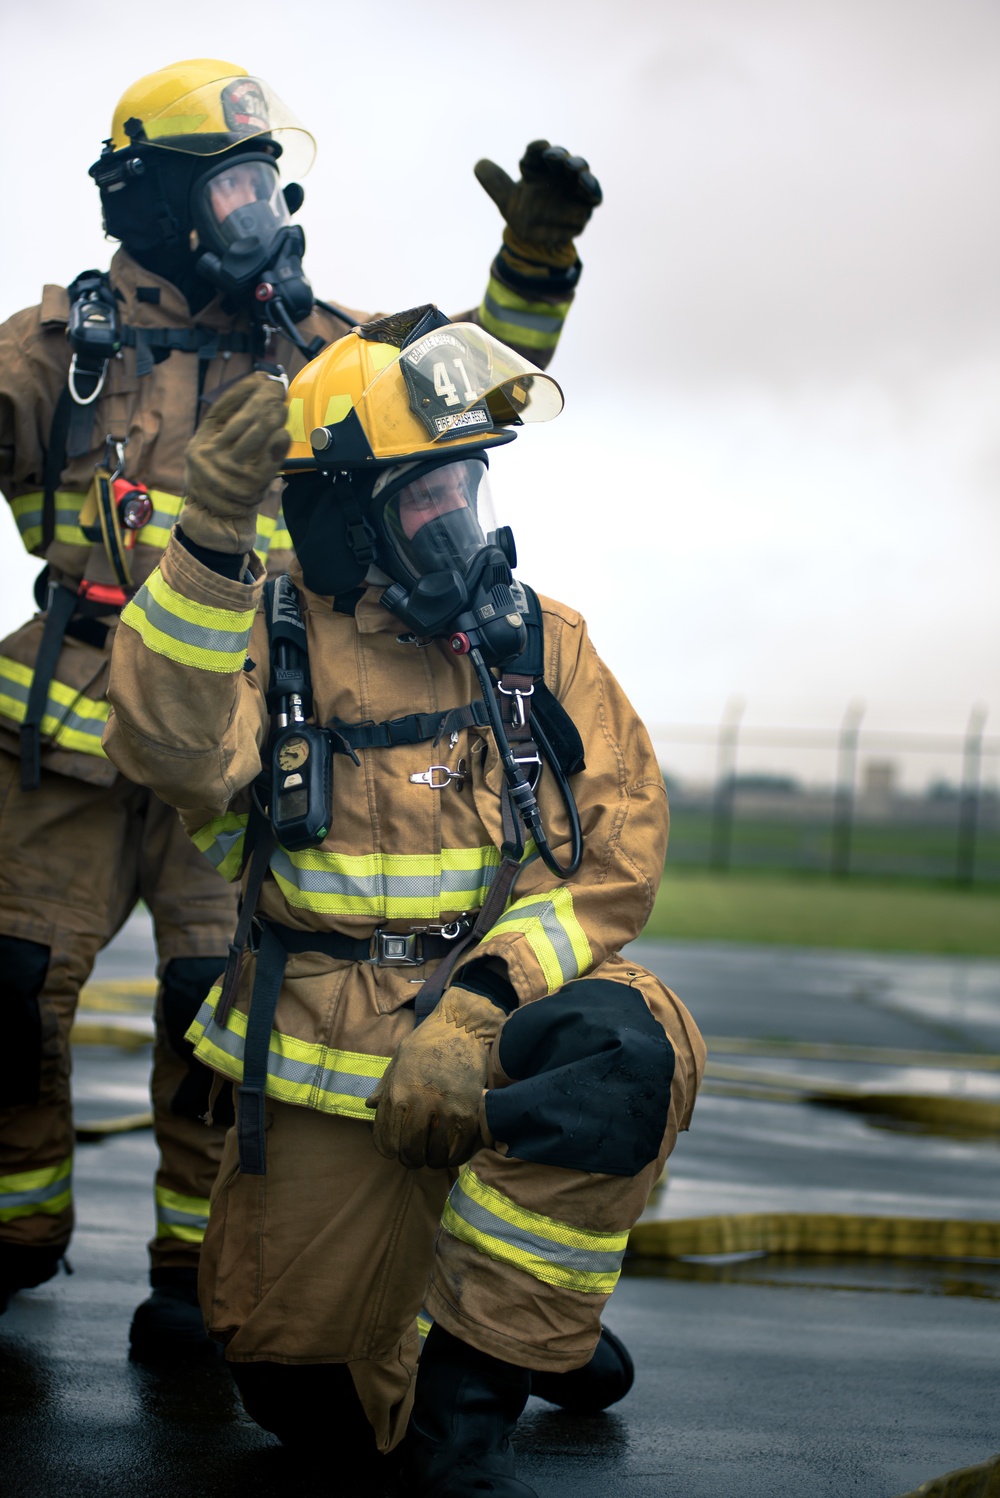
[773,489]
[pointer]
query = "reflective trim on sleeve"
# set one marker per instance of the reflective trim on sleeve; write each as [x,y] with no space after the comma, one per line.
[424,1323]
[71,720]
[27,510]
[298,1071]
[265,534]
[395,886]
[552,931]
[183,1218]
[33,1193]
[192,634]
[221,841]
[550,1251]
[515,320]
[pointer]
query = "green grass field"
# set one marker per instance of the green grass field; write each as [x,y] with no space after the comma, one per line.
[813,911]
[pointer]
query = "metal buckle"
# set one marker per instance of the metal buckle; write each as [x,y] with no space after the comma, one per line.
[439,777]
[520,712]
[396,949]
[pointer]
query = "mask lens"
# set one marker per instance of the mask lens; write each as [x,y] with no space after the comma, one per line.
[244,198]
[433,523]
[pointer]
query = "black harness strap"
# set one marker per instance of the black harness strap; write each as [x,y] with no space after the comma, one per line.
[55,462]
[275,944]
[414,728]
[62,602]
[207,343]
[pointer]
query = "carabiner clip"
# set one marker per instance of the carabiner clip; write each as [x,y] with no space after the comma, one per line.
[117,445]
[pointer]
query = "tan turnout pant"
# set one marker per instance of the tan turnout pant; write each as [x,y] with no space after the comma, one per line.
[74,860]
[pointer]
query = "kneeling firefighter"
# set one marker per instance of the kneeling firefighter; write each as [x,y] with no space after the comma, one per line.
[101,386]
[449,820]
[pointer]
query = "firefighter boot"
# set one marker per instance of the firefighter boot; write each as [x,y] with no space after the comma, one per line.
[169,1324]
[466,1408]
[23,1266]
[586,1391]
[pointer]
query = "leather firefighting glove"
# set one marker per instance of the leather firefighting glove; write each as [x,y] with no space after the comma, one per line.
[427,1103]
[548,207]
[231,462]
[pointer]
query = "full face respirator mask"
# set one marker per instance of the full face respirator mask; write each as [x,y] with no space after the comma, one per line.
[242,218]
[451,564]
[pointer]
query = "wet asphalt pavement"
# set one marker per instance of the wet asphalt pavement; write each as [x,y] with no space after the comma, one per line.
[759,1377]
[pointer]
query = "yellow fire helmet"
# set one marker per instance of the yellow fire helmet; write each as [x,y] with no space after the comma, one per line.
[412,385]
[202,107]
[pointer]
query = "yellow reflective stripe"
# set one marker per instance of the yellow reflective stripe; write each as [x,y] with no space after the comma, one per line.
[31,1193]
[166,508]
[184,1218]
[552,931]
[70,721]
[192,634]
[221,841]
[265,531]
[572,1258]
[424,1323]
[282,539]
[517,320]
[27,510]
[385,885]
[298,1071]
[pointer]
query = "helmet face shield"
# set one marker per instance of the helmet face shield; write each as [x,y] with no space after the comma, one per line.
[240,200]
[439,520]
[214,116]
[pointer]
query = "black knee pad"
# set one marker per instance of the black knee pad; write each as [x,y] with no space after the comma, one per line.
[24,966]
[590,1073]
[186,983]
[294,1401]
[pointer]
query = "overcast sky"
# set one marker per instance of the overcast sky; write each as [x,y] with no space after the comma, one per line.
[777,473]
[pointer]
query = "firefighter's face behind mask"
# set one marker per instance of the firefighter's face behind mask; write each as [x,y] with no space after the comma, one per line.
[239,200]
[437,522]
[437,537]
[244,231]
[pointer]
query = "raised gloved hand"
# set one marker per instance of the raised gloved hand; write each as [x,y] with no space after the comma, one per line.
[427,1103]
[231,461]
[549,206]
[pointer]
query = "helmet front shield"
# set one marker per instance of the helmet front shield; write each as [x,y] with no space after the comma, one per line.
[225,112]
[366,400]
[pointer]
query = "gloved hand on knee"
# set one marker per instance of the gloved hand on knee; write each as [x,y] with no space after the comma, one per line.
[232,460]
[427,1104]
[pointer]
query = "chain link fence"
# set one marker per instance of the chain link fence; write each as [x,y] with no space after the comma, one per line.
[840,822]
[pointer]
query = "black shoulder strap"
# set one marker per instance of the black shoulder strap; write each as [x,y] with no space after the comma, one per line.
[559,728]
[55,462]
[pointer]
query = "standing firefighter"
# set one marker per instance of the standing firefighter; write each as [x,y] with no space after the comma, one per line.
[432,977]
[207,286]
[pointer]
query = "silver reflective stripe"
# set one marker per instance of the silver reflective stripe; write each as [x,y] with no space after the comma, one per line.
[542,911]
[222,641]
[283,1068]
[66,718]
[359,886]
[9,1199]
[378,886]
[181,1219]
[482,1220]
[537,321]
[223,844]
